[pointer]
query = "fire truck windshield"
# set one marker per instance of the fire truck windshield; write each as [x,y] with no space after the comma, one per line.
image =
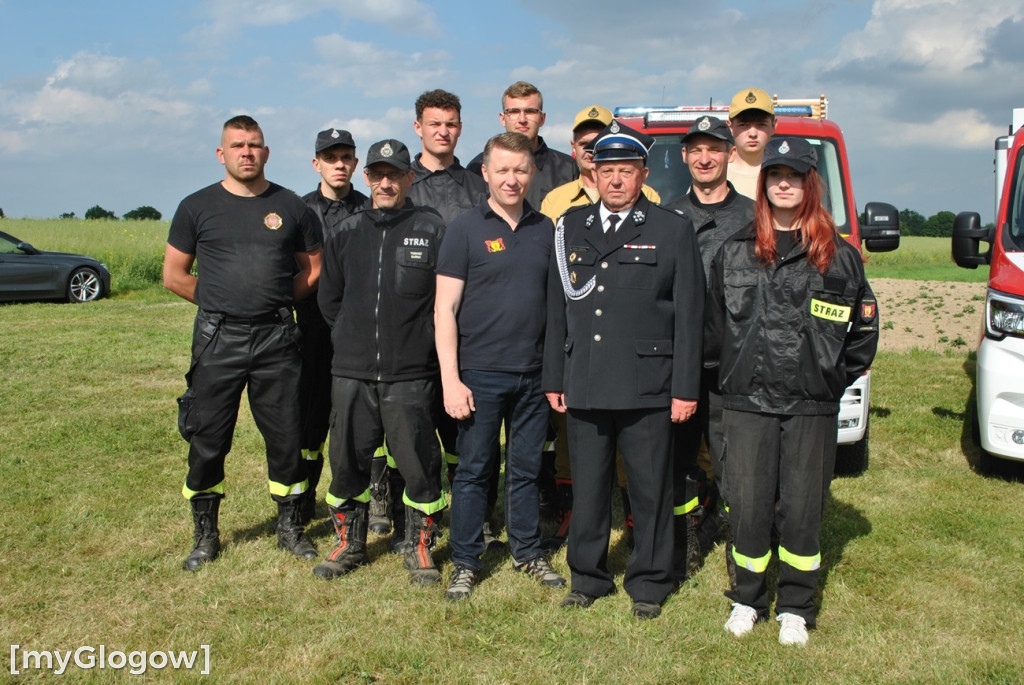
[671,178]
[1015,208]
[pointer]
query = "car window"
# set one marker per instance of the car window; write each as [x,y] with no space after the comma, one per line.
[8,246]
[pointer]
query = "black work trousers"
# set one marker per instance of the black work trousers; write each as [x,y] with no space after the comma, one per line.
[778,468]
[229,354]
[315,378]
[645,438]
[363,412]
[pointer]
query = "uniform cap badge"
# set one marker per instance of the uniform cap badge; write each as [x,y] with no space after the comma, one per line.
[614,128]
[273,221]
[334,133]
[386,150]
[704,125]
[784,148]
[751,98]
[593,113]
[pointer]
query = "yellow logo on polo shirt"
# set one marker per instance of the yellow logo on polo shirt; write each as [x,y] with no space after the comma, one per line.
[273,221]
[829,311]
[495,245]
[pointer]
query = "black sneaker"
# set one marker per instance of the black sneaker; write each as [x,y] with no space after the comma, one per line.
[578,600]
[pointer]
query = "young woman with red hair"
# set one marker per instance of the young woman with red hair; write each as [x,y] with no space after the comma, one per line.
[791,322]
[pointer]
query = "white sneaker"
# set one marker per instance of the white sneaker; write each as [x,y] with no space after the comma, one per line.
[792,630]
[741,620]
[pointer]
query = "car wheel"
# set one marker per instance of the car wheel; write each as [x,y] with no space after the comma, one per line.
[853,459]
[84,285]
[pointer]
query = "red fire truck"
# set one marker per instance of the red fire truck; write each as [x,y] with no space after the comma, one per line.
[998,421]
[880,232]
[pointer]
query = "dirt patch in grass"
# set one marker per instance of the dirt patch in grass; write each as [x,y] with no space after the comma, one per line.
[929,315]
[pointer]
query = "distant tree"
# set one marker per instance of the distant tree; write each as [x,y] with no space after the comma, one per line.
[1,212]
[939,225]
[97,212]
[67,215]
[144,212]
[911,222]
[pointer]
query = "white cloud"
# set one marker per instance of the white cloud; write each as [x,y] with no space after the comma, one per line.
[376,70]
[957,129]
[227,17]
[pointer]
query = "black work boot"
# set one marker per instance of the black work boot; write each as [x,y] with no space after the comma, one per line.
[422,532]
[379,490]
[205,534]
[564,517]
[350,528]
[291,535]
[307,503]
[396,509]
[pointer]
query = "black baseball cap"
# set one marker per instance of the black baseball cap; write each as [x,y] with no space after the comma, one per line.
[710,126]
[791,151]
[392,152]
[333,137]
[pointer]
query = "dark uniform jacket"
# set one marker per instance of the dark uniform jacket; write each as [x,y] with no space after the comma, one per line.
[634,341]
[715,223]
[377,293]
[553,169]
[451,191]
[787,339]
[333,212]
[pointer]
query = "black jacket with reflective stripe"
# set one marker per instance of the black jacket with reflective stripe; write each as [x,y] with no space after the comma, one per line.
[786,338]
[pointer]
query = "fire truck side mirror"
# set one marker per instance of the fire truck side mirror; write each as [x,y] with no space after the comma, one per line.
[967,236]
[881,229]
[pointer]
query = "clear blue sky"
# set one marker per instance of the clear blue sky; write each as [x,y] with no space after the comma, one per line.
[120,103]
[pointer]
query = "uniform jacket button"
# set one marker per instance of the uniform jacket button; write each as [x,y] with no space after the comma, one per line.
[597,337]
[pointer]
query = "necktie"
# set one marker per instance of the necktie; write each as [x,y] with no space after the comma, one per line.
[613,219]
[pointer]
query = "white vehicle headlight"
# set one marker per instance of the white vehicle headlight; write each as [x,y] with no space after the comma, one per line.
[1004,315]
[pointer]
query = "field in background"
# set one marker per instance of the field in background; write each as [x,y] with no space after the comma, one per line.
[924,259]
[132,250]
[921,554]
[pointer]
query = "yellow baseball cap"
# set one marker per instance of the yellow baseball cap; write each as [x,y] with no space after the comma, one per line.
[595,114]
[750,98]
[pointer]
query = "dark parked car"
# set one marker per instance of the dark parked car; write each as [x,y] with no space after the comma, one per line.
[30,274]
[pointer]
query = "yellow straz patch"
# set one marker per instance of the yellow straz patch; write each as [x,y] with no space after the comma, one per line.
[832,312]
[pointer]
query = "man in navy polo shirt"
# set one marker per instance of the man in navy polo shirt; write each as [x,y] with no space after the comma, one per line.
[489,326]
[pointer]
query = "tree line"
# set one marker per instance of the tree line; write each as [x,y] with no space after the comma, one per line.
[97,212]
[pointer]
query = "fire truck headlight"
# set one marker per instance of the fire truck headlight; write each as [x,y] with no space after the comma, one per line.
[1004,316]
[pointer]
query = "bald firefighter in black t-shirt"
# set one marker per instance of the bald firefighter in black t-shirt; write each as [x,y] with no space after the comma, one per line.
[257,249]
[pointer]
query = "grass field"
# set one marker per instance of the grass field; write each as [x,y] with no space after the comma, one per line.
[921,553]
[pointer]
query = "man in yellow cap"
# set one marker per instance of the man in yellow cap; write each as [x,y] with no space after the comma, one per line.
[752,120]
[583,190]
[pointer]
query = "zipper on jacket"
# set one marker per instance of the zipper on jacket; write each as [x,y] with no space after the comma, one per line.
[376,310]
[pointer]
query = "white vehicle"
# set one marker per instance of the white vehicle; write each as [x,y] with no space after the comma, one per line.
[998,421]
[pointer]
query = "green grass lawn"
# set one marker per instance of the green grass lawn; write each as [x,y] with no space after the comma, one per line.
[922,554]
[919,258]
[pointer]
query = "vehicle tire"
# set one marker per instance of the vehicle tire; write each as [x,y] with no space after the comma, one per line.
[84,285]
[853,459]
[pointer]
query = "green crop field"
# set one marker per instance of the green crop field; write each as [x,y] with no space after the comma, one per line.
[921,554]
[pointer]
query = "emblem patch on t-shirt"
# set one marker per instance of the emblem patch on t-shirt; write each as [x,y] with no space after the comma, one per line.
[495,245]
[273,221]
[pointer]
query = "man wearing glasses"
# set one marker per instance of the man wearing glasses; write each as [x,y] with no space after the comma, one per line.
[522,111]
[377,294]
